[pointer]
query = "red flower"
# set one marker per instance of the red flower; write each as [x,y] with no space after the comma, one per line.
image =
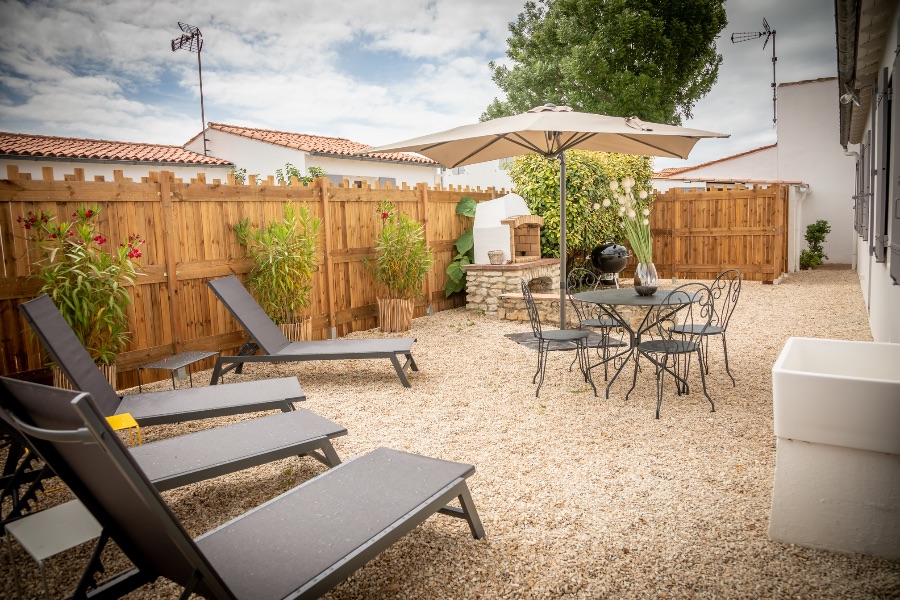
[70,233]
[89,213]
[384,215]
[100,239]
[74,214]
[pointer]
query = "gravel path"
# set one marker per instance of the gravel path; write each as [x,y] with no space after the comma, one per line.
[581,497]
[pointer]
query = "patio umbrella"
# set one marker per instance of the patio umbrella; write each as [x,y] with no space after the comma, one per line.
[550,130]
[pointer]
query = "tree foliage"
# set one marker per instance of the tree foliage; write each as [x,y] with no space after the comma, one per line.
[588,175]
[616,57]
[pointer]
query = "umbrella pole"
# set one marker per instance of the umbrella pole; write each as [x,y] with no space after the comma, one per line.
[562,240]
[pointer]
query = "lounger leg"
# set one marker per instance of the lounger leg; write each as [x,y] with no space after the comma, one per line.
[330,458]
[411,362]
[217,372]
[400,372]
[467,512]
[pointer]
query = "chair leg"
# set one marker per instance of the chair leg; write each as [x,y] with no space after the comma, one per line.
[703,381]
[660,373]
[634,374]
[727,370]
[543,366]
[585,364]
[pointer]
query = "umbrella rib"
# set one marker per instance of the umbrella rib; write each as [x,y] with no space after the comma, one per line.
[575,139]
[669,153]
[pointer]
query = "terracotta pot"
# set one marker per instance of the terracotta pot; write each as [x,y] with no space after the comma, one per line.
[61,381]
[297,332]
[395,314]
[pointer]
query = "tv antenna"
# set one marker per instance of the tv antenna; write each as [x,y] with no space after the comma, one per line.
[767,33]
[192,41]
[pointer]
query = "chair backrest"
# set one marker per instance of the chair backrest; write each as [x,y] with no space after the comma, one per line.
[581,280]
[726,290]
[689,307]
[72,437]
[533,315]
[247,311]
[69,353]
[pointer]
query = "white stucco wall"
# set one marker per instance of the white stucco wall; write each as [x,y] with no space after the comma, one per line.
[483,175]
[133,170]
[881,295]
[262,158]
[757,166]
[808,151]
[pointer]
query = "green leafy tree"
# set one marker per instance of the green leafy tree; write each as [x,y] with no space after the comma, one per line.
[616,57]
[289,171]
[588,175]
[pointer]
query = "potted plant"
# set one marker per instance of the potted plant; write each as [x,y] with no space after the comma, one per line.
[88,281]
[284,261]
[401,264]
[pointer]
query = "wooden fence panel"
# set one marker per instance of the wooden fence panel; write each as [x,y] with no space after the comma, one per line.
[188,230]
[697,234]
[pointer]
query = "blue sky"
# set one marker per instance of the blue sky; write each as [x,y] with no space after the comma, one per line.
[371,71]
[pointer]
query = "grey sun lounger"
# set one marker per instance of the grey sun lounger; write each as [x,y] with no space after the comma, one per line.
[276,348]
[298,545]
[152,408]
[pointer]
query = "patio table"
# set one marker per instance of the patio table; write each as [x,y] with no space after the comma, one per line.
[608,301]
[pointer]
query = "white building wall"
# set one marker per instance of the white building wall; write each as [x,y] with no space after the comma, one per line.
[262,158]
[808,151]
[92,169]
[758,166]
[483,175]
[259,158]
[881,295]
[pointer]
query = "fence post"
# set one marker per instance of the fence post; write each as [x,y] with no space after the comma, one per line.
[423,211]
[170,248]
[322,184]
[778,232]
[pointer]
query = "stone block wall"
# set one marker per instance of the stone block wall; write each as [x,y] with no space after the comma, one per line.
[485,284]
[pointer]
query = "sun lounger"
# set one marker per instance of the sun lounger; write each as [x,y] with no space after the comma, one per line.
[276,348]
[152,408]
[298,545]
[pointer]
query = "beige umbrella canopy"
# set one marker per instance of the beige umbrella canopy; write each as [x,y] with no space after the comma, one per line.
[549,131]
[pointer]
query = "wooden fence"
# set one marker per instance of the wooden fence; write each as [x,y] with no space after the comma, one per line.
[700,233]
[697,234]
[189,241]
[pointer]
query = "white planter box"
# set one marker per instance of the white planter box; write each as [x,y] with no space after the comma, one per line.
[837,423]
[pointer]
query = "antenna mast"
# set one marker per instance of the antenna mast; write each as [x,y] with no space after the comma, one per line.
[767,33]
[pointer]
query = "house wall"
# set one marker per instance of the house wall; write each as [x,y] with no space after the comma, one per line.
[92,169]
[484,175]
[261,158]
[882,297]
[758,166]
[807,151]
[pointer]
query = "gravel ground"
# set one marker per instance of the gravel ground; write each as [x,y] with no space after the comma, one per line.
[581,497]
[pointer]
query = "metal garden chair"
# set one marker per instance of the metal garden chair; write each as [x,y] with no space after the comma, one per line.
[725,292]
[555,340]
[689,309]
[590,317]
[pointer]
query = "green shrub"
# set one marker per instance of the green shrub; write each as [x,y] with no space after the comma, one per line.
[284,260]
[402,257]
[465,250]
[815,237]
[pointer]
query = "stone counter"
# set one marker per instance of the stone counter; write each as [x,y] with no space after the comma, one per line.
[486,283]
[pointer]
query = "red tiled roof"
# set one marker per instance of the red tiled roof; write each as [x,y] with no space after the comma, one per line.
[23,144]
[667,173]
[317,143]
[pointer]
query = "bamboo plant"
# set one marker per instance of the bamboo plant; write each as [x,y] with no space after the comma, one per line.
[284,261]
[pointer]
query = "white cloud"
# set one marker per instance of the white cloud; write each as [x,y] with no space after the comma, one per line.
[105,69]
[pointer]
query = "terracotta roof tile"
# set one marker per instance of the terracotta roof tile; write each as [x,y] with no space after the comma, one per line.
[22,144]
[317,143]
